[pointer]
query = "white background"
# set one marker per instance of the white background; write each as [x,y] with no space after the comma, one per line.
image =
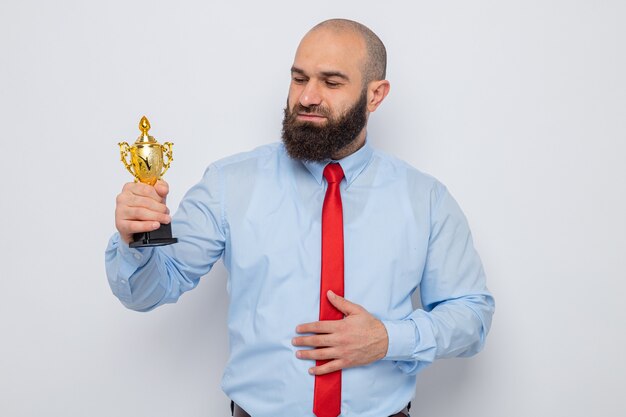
[517,106]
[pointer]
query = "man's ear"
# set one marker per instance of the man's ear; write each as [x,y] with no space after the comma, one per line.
[376,93]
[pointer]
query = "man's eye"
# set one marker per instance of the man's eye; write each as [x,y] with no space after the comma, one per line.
[332,84]
[299,80]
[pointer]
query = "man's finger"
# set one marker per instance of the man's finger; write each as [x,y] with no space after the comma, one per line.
[328,367]
[324,326]
[320,340]
[149,203]
[144,214]
[141,226]
[144,190]
[318,354]
[134,200]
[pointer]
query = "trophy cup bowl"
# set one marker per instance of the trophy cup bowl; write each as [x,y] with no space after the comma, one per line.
[146,161]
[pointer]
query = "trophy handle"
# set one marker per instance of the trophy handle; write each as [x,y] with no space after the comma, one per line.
[124,157]
[167,152]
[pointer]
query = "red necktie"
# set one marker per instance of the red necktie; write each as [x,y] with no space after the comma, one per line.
[327,397]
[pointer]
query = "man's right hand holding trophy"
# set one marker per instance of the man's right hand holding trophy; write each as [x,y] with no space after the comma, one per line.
[141,208]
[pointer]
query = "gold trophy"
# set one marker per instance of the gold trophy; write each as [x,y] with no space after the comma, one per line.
[145,160]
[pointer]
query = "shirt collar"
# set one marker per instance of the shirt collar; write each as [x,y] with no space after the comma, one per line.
[352,164]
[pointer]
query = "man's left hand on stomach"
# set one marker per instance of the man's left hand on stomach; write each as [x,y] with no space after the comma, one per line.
[358,339]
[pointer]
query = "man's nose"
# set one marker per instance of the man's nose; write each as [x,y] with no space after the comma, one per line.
[311,95]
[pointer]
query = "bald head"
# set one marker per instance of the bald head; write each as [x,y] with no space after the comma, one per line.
[375,62]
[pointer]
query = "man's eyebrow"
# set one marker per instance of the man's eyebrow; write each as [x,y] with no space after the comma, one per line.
[329,74]
[326,74]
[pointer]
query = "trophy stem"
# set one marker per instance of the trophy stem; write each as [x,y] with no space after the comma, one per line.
[159,237]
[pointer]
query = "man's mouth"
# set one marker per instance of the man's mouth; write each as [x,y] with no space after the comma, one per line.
[310,117]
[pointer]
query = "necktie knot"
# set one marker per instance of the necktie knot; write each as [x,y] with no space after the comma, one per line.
[333,173]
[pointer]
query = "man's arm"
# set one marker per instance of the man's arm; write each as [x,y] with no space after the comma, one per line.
[457,306]
[454,322]
[147,277]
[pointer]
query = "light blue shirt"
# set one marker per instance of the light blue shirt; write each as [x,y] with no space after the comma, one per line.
[260,212]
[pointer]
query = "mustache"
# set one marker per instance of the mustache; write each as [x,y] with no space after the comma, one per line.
[315,110]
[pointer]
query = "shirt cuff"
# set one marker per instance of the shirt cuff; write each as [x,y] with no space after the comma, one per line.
[402,339]
[130,259]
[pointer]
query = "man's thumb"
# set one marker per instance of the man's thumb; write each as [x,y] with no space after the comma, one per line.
[162,188]
[341,304]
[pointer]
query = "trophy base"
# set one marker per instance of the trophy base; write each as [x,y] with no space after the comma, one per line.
[159,237]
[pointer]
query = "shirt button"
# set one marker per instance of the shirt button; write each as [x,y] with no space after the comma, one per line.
[137,256]
[123,281]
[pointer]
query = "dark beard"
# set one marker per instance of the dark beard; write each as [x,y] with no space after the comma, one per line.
[307,141]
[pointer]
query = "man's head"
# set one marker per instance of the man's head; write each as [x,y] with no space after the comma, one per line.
[337,79]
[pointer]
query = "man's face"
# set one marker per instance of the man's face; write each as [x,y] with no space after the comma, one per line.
[326,108]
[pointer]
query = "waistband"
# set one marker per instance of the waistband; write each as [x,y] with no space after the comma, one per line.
[240,412]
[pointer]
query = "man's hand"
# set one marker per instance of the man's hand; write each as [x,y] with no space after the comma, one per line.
[141,208]
[356,340]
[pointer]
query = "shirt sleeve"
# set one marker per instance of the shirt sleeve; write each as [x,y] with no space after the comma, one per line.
[145,278]
[457,306]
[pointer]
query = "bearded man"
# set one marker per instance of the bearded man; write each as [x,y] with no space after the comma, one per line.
[325,240]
